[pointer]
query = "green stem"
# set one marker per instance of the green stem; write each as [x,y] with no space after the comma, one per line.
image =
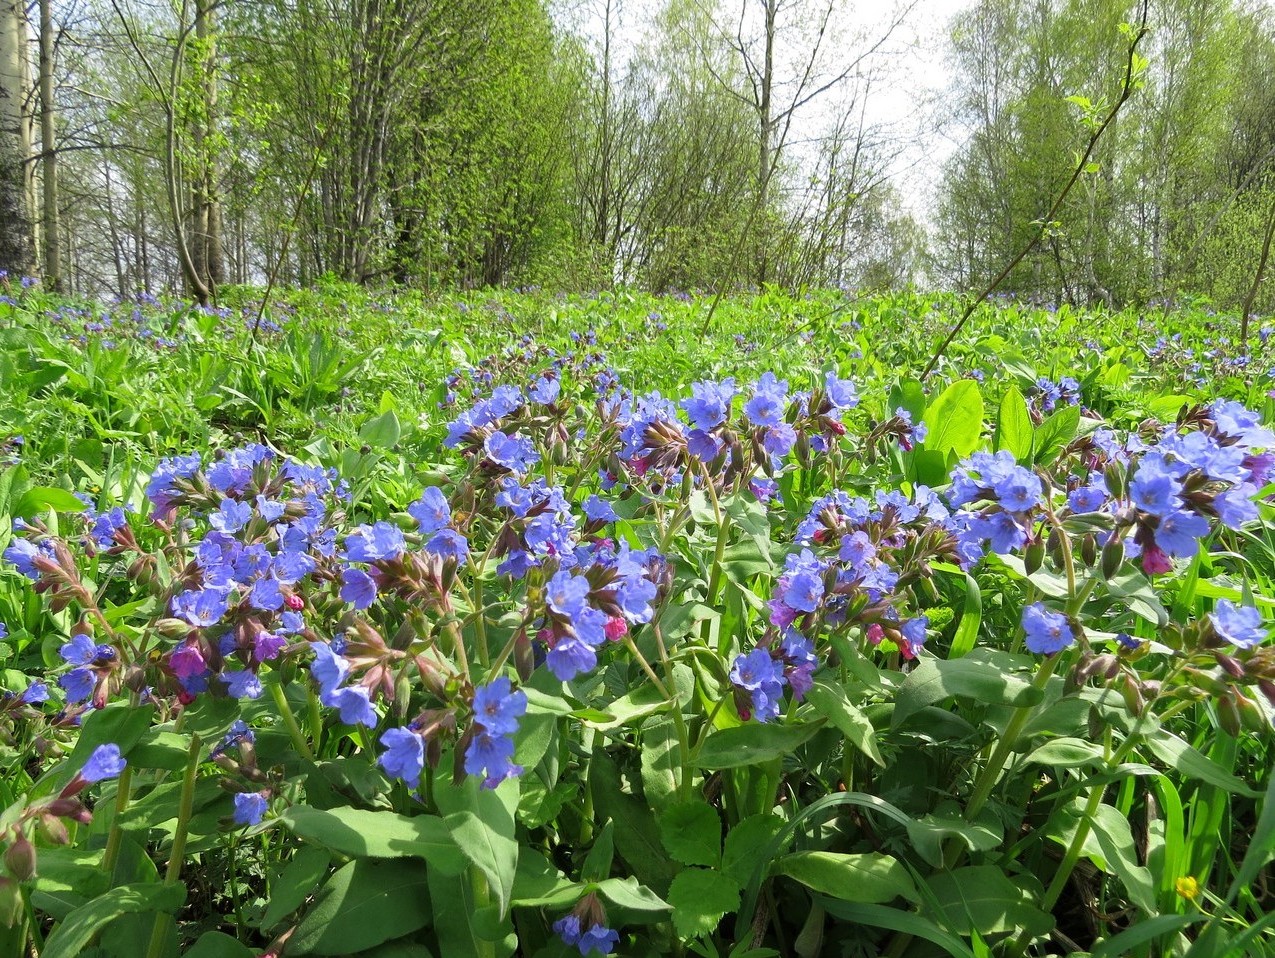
[178,853]
[290,721]
[116,836]
[482,898]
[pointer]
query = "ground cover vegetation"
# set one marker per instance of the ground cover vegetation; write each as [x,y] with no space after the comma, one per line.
[536,623]
[354,602]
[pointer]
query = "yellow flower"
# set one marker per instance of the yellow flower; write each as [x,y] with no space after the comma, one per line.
[1188,888]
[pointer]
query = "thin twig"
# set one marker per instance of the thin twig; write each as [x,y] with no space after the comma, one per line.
[1126,91]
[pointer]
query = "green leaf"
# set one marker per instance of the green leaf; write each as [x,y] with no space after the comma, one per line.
[366,902]
[700,899]
[1055,432]
[40,499]
[597,864]
[120,723]
[637,836]
[661,762]
[538,884]
[746,843]
[955,419]
[692,833]
[972,677]
[626,893]
[72,936]
[1014,430]
[214,944]
[483,828]
[930,832]
[383,431]
[359,833]
[832,703]
[1068,753]
[982,898]
[753,743]
[295,883]
[1190,762]
[907,394]
[869,877]
[909,923]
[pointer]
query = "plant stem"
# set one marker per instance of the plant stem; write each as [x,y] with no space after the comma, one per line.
[178,852]
[290,721]
[116,836]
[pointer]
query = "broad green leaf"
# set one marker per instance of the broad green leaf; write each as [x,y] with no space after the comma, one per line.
[295,883]
[661,762]
[745,847]
[1068,753]
[366,834]
[383,431]
[869,877]
[637,836]
[39,499]
[929,833]
[1014,430]
[700,899]
[1054,433]
[626,893]
[906,922]
[936,679]
[692,833]
[753,743]
[955,419]
[538,884]
[906,394]
[214,944]
[982,898]
[830,701]
[1190,762]
[74,933]
[364,903]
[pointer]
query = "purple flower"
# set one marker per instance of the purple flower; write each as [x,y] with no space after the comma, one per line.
[357,587]
[431,511]
[804,591]
[404,755]
[1047,632]
[267,645]
[599,939]
[1241,625]
[104,762]
[497,707]
[913,632]
[187,660]
[250,807]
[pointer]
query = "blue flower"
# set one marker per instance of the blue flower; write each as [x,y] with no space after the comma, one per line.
[804,591]
[82,650]
[1179,533]
[841,393]
[569,657]
[105,762]
[35,693]
[515,453]
[1047,632]
[353,703]
[766,406]
[375,542]
[328,668]
[1020,491]
[491,756]
[250,807]
[762,676]
[709,404]
[497,707]
[1088,498]
[544,390]
[431,511]
[1155,488]
[231,517]
[201,607]
[599,510]
[357,587]
[242,685]
[1241,625]
[404,755]
[448,544]
[266,595]
[78,684]
[23,555]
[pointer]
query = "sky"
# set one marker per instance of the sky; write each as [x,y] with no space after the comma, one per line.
[911,72]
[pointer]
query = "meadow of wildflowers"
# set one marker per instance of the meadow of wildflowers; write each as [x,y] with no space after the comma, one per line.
[521,624]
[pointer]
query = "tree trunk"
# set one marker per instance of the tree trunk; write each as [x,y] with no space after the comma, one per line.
[16,252]
[766,122]
[49,156]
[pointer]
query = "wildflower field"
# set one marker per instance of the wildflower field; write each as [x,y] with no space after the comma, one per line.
[513,623]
